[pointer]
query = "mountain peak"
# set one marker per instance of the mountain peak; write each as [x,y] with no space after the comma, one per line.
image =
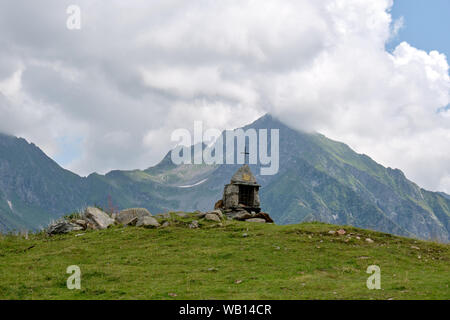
[318,180]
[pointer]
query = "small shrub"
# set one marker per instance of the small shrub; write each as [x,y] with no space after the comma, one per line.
[72,216]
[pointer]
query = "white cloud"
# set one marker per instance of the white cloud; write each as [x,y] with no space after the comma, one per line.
[137,70]
[397,25]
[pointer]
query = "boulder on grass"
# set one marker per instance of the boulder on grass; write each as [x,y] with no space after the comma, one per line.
[212,217]
[147,222]
[260,220]
[264,216]
[61,227]
[218,213]
[165,224]
[194,225]
[98,218]
[232,214]
[242,215]
[200,214]
[130,216]
[81,223]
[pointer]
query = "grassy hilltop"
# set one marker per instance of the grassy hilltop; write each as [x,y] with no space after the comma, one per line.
[235,260]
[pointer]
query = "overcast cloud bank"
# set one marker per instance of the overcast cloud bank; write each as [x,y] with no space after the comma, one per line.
[137,70]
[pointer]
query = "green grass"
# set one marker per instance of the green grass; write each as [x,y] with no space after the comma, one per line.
[217,262]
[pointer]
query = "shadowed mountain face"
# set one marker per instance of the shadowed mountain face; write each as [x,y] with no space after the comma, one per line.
[33,188]
[318,179]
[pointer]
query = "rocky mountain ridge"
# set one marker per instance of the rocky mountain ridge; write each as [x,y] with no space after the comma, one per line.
[319,180]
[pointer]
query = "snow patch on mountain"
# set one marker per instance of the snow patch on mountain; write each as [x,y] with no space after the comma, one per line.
[193,185]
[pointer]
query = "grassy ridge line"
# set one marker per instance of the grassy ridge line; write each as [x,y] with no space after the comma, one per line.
[299,261]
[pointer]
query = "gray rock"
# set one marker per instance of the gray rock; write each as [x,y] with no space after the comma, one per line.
[181,214]
[98,218]
[218,213]
[200,215]
[194,224]
[264,216]
[165,224]
[242,215]
[91,225]
[62,227]
[130,216]
[132,222]
[230,196]
[81,223]
[212,217]
[256,220]
[148,222]
[232,214]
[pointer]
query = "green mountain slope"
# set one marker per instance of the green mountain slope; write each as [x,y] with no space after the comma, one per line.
[319,180]
[237,260]
[336,185]
[324,180]
[33,188]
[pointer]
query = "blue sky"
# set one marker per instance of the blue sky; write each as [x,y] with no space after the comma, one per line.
[426,24]
[69,149]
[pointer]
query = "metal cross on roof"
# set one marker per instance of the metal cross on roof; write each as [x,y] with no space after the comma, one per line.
[245,153]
